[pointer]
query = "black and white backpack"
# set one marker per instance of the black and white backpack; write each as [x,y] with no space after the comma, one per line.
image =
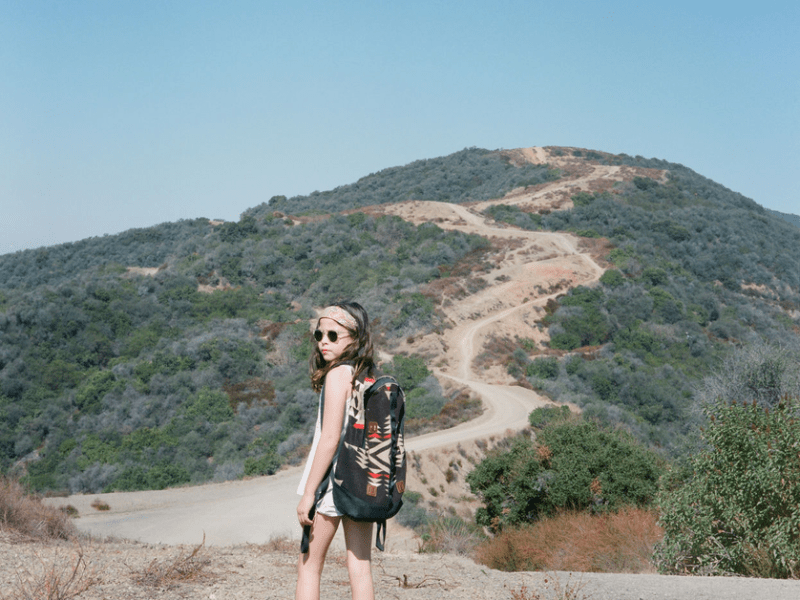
[369,474]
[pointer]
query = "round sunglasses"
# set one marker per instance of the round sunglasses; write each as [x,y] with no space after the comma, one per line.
[333,336]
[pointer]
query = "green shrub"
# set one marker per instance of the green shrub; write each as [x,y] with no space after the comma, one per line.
[413,515]
[612,278]
[158,477]
[583,199]
[544,368]
[572,465]
[739,510]
[573,365]
[585,324]
[264,465]
[655,276]
[211,405]
[584,454]
[515,216]
[409,371]
[421,404]
[541,417]
[665,307]
[644,183]
[90,395]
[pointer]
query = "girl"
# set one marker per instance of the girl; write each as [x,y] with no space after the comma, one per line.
[342,352]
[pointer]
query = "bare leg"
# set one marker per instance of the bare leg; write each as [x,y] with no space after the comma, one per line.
[358,539]
[309,566]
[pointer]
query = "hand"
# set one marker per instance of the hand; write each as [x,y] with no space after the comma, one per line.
[303,509]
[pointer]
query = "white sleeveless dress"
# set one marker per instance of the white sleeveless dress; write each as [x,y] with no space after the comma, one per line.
[325,504]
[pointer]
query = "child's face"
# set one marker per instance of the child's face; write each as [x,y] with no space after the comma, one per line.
[328,329]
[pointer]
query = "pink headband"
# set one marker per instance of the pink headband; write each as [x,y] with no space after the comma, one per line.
[341,316]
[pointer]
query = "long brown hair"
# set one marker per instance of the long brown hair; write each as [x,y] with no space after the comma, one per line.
[357,353]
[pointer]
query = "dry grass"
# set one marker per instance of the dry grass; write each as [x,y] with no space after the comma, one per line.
[179,569]
[553,590]
[279,544]
[577,541]
[24,515]
[60,578]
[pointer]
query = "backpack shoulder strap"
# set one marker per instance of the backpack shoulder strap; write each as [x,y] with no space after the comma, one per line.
[380,534]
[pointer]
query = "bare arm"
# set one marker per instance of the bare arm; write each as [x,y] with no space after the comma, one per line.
[338,386]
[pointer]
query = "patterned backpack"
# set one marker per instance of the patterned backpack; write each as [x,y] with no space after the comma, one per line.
[369,474]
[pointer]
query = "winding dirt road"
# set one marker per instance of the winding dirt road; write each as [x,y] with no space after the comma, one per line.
[529,268]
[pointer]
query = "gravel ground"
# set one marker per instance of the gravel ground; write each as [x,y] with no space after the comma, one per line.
[121,570]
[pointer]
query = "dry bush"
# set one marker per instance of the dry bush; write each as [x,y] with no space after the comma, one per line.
[180,569]
[24,514]
[496,351]
[252,391]
[553,590]
[280,544]
[58,579]
[446,288]
[451,535]
[270,330]
[620,542]
[524,593]
[598,248]
[98,504]
[457,281]
[476,261]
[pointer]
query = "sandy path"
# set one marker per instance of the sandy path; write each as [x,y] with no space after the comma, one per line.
[256,510]
[259,509]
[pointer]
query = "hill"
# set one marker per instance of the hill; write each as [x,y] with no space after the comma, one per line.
[175,354]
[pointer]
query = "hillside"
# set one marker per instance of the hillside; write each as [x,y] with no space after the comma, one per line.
[793,219]
[176,354]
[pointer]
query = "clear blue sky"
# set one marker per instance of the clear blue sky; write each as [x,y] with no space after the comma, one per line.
[120,114]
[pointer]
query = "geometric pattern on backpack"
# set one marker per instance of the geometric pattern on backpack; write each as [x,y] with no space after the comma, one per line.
[370,465]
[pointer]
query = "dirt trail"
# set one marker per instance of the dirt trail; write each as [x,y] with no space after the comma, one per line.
[529,268]
[512,304]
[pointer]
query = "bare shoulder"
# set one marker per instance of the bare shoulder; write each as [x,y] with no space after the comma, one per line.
[340,375]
